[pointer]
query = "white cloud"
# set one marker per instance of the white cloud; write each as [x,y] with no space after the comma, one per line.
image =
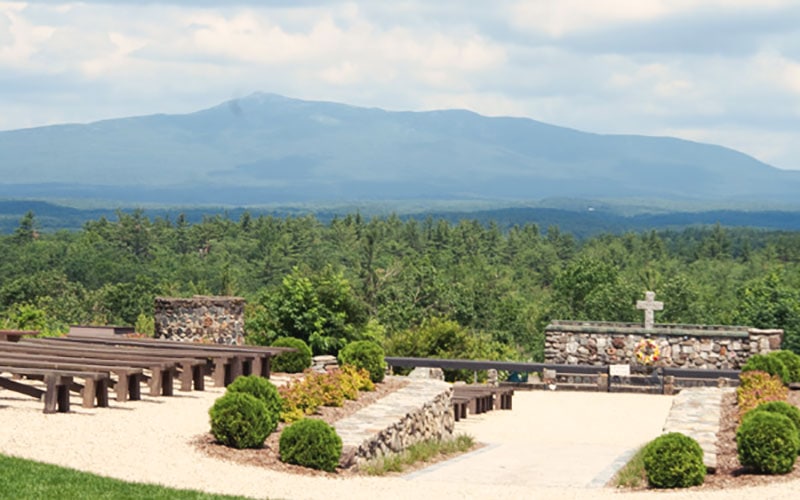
[562,62]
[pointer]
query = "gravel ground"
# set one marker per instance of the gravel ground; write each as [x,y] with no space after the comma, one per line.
[153,441]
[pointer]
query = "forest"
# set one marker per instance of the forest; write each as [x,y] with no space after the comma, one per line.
[421,287]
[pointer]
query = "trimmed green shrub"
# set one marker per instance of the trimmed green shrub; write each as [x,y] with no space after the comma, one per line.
[674,460]
[367,355]
[311,443]
[261,389]
[768,442]
[781,407]
[241,420]
[292,362]
[791,361]
[769,364]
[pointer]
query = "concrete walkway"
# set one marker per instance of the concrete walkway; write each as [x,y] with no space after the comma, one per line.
[555,439]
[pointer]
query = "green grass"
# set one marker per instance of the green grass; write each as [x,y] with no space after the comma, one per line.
[23,479]
[632,475]
[422,452]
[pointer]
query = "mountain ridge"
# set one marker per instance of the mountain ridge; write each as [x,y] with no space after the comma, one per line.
[269,148]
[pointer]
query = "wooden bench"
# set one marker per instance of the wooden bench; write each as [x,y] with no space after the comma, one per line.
[16,335]
[190,369]
[227,361]
[58,383]
[480,398]
[94,388]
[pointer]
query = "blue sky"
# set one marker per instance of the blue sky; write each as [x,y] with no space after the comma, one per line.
[719,71]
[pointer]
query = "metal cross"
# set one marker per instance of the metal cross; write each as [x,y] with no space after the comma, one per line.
[649,304]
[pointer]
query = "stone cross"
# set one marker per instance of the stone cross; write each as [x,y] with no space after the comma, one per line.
[649,304]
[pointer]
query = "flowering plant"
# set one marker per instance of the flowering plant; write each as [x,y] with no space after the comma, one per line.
[647,352]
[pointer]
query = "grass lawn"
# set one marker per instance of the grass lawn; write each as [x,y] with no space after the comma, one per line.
[20,479]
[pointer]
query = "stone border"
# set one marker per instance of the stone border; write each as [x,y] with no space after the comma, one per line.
[419,411]
[696,412]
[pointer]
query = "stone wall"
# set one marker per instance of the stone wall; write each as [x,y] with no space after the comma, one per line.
[213,320]
[681,346]
[422,410]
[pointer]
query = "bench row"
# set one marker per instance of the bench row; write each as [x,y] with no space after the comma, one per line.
[122,364]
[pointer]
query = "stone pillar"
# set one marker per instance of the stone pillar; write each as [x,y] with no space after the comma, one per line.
[211,320]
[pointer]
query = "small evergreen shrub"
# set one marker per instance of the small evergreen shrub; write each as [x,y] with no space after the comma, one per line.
[241,420]
[769,364]
[781,407]
[311,443]
[674,460]
[758,387]
[261,389]
[367,355]
[768,442]
[292,362]
[791,361]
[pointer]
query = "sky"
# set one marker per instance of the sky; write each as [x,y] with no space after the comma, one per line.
[720,71]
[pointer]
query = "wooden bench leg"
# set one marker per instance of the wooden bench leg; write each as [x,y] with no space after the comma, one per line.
[198,376]
[155,382]
[63,394]
[166,382]
[134,388]
[219,372]
[123,386]
[101,392]
[89,392]
[186,377]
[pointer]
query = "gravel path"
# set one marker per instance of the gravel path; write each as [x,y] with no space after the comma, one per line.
[552,445]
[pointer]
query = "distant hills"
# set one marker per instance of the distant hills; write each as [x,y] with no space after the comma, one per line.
[267,149]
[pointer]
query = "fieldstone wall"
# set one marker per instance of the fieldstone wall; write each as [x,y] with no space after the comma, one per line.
[212,320]
[422,410]
[681,346]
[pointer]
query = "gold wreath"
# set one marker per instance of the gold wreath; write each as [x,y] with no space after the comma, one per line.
[647,352]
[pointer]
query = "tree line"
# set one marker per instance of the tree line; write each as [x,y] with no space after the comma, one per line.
[422,287]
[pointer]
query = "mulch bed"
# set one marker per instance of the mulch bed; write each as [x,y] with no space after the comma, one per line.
[268,456]
[730,473]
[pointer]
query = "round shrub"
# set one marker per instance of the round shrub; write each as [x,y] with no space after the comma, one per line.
[768,442]
[791,361]
[292,362]
[769,364]
[240,420]
[367,355]
[311,443]
[781,407]
[261,389]
[674,460]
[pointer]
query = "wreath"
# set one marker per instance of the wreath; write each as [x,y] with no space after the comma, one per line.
[647,352]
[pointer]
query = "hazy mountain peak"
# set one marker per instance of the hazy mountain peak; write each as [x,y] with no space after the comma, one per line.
[264,148]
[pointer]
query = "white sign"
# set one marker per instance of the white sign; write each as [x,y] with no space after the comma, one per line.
[619,370]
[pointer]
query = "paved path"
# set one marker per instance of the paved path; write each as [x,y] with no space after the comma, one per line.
[555,439]
[696,412]
[553,445]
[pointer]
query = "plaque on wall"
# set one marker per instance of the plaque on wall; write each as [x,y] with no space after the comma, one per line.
[619,370]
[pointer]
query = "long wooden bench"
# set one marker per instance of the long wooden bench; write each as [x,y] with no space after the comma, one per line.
[480,399]
[190,369]
[58,383]
[227,361]
[129,373]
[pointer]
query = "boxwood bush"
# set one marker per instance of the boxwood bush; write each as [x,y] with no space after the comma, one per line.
[769,364]
[261,389]
[241,420]
[674,460]
[311,443]
[367,355]
[791,361]
[781,407]
[768,442]
[292,362]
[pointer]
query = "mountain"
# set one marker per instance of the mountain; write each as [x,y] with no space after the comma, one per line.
[267,148]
